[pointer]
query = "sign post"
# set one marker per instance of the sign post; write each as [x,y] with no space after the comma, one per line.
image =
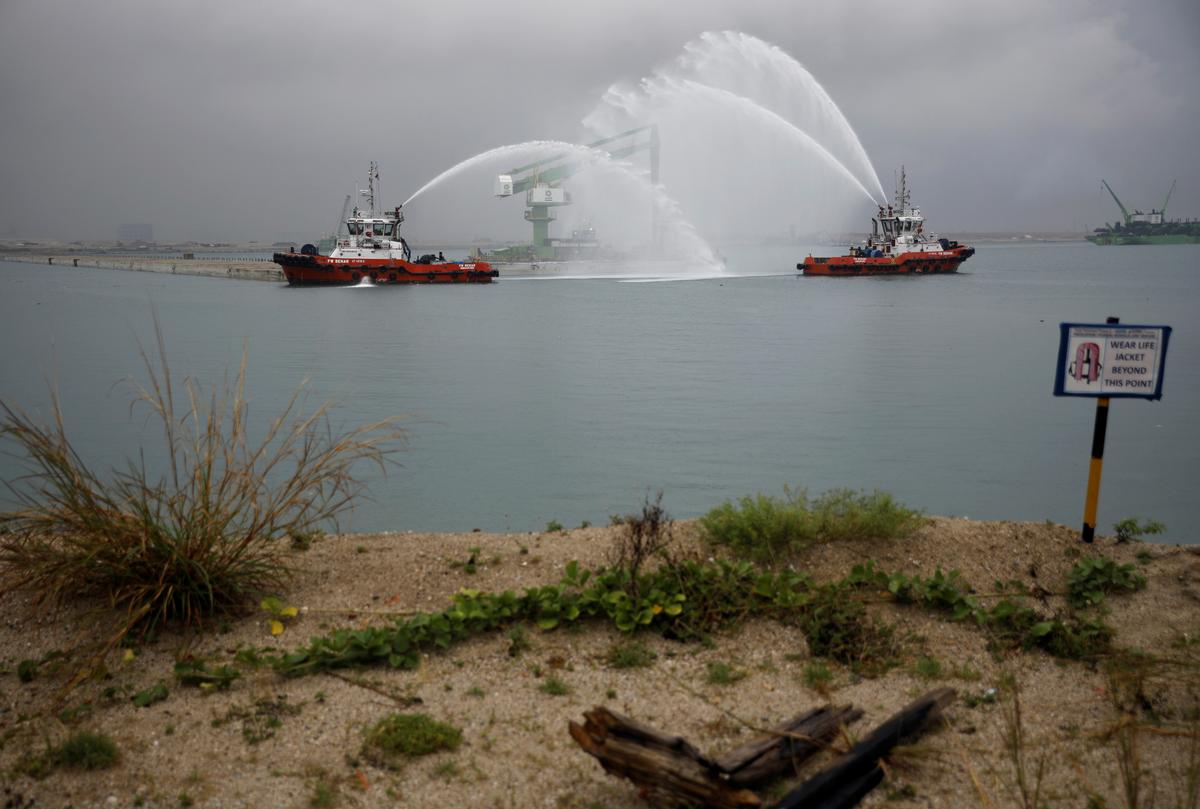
[1105,362]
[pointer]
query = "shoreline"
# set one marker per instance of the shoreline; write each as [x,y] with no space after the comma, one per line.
[212,268]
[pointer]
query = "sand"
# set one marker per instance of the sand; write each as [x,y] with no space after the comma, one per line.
[202,749]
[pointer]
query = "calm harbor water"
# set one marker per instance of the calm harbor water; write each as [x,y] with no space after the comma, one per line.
[535,400]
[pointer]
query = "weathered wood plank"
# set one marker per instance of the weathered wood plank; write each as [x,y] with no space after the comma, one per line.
[785,747]
[843,783]
[665,766]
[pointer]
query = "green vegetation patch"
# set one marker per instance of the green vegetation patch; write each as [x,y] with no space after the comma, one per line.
[630,655]
[766,528]
[1095,576]
[691,599]
[401,736]
[84,750]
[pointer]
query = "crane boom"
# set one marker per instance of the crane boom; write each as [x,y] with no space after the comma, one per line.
[545,171]
[1168,199]
[1124,212]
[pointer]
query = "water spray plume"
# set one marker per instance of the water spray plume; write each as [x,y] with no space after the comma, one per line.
[771,119]
[753,71]
[767,75]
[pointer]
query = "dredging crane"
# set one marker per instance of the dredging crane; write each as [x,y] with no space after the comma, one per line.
[1146,228]
[541,182]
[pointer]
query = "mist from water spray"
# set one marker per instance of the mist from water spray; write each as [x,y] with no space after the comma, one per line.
[667,209]
[756,72]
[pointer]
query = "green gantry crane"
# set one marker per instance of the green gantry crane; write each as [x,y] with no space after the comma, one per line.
[1152,218]
[541,182]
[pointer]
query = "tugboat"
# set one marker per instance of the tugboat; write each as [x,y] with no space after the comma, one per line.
[373,250]
[898,245]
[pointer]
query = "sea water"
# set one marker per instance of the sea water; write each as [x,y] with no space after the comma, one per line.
[532,400]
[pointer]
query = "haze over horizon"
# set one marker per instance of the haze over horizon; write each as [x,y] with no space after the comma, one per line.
[224,122]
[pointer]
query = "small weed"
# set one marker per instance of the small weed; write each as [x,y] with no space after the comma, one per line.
[721,673]
[1144,557]
[585,524]
[86,751]
[195,672]
[818,677]
[554,527]
[928,668]
[1129,529]
[75,715]
[319,697]
[838,627]
[324,794]
[360,549]
[647,535]
[447,771]
[610,693]
[401,736]
[261,719]
[554,687]
[169,730]
[518,641]
[155,693]
[966,672]
[251,658]
[1094,576]
[471,566]
[476,691]
[185,800]
[27,670]
[630,655]
[303,540]
[1026,789]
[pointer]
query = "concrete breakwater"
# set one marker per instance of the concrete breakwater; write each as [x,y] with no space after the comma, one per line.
[212,267]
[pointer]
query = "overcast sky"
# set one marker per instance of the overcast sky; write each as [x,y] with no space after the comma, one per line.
[236,121]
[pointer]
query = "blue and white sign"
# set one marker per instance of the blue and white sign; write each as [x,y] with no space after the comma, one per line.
[1112,360]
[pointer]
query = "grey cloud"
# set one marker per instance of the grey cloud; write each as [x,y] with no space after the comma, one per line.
[236,121]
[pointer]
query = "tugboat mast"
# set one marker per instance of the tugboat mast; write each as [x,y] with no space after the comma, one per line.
[902,194]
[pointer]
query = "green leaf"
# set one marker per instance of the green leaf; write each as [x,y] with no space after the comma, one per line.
[1041,629]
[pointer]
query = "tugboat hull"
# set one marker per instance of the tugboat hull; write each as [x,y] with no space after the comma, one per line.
[928,263]
[308,270]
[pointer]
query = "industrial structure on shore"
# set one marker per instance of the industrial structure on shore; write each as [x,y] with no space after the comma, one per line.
[541,182]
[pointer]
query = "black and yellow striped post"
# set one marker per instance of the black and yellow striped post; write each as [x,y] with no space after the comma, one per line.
[1096,465]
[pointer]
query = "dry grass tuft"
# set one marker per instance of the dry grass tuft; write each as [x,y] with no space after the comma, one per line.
[202,537]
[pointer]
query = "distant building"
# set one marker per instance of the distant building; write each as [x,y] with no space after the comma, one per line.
[136,233]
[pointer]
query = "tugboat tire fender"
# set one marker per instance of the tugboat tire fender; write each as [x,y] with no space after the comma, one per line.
[356,276]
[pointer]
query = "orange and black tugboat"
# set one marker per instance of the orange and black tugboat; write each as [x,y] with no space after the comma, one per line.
[373,250]
[898,245]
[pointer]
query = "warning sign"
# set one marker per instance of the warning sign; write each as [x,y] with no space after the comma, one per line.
[1111,360]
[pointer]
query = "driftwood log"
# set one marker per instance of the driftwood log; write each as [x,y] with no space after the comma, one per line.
[673,771]
[843,783]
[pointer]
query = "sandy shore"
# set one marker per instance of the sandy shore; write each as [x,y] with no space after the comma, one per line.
[203,750]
